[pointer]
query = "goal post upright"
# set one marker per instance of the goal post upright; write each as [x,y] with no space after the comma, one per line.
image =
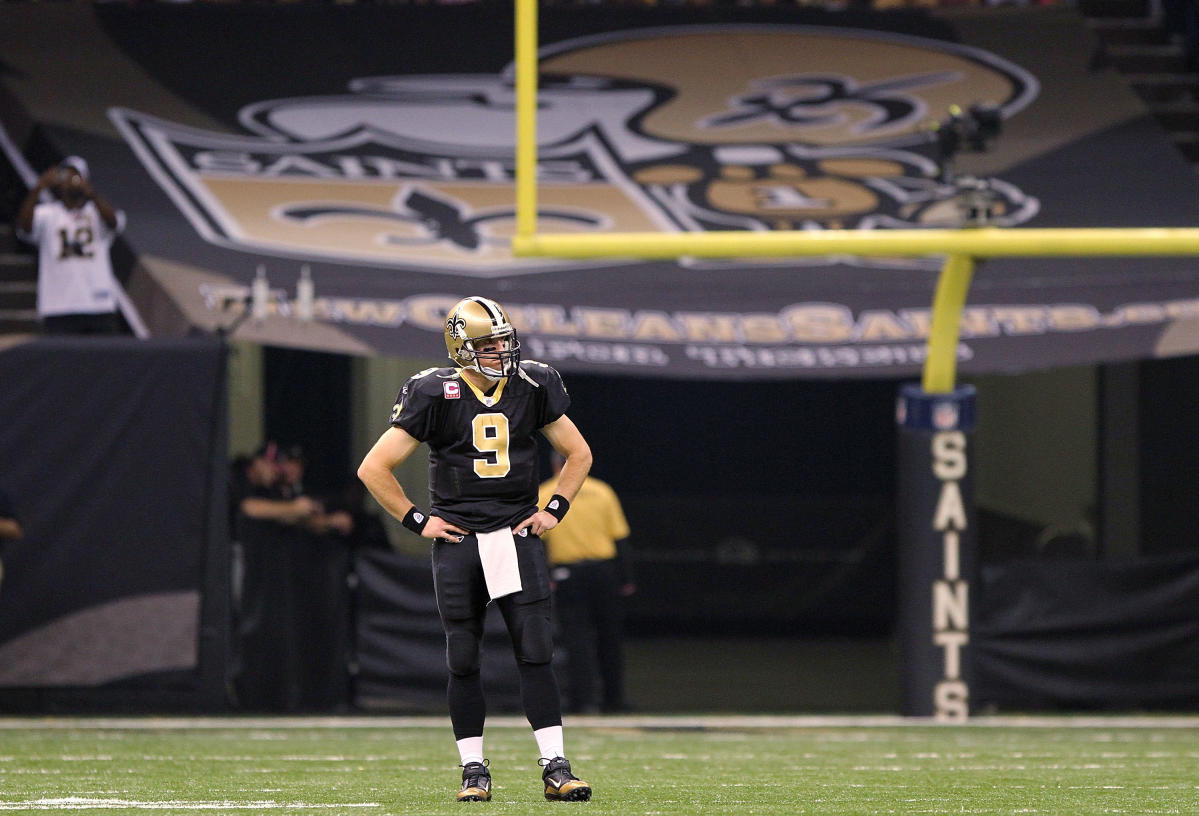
[526,119]
[940,364]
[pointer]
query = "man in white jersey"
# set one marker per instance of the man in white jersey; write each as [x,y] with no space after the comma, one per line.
[74,231]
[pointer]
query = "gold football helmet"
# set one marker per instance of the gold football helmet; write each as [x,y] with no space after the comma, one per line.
[475,322]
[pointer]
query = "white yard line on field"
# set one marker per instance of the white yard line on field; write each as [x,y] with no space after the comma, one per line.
[82,803]
[666,721]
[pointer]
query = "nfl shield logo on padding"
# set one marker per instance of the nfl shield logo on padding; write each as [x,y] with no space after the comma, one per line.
[945,416]
[451,389]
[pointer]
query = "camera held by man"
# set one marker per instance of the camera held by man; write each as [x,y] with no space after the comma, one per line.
[73,228]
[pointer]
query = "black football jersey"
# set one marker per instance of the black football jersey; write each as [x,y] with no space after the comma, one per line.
[483,468]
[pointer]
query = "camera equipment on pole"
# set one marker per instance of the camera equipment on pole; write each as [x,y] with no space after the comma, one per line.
[969,130]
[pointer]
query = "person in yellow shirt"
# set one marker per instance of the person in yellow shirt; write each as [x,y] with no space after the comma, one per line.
[591,575]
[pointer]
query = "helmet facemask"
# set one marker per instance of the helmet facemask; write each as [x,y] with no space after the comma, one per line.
[496,364]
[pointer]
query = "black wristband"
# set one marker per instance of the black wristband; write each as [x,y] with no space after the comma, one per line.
[557,506]
[415,520]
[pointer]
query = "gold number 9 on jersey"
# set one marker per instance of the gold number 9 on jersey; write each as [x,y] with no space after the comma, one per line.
[491,439]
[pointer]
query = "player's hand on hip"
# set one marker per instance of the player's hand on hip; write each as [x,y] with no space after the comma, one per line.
[440,528]
[537,523]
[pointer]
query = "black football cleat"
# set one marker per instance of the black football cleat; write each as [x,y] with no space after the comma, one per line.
[560,784]
[476,782]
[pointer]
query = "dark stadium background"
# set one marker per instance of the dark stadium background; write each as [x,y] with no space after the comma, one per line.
[763,512]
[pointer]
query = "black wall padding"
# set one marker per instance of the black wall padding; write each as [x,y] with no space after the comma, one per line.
[118,595]
[1088,634]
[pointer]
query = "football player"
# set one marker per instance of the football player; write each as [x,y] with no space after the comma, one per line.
[479,419]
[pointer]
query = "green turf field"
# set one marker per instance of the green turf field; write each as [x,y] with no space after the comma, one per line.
[636,766]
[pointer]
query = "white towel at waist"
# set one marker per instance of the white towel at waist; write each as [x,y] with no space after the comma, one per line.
[497,551]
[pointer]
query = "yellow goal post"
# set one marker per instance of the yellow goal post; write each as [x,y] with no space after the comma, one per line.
[962,247]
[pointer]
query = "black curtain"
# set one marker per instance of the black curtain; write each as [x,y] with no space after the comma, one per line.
[1080,634]
[118,593]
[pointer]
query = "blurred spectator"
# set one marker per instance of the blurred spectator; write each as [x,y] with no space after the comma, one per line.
[74,230]
[267,525]
[10,527]
[1068,542]
[292,464]
[294,610]
[367,528]
[1180,19]
[326,571]
[592,575]
[261,491]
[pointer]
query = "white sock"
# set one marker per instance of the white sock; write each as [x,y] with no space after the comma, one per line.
[549,741]
[471,749]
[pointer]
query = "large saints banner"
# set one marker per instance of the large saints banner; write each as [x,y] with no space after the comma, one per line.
[372,149]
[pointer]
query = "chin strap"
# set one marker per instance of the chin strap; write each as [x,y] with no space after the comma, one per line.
[490,377]
[520,372]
